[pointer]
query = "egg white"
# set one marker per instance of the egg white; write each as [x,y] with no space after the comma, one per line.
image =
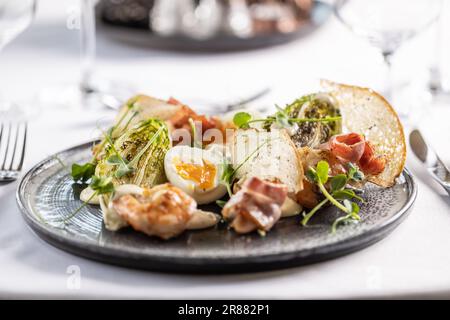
[186,154]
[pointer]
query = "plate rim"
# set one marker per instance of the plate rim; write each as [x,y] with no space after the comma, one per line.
[188,264]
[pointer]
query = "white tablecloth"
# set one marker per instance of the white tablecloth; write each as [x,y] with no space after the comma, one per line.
[413,261]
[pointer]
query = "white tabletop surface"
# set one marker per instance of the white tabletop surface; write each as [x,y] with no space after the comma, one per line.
[413,261]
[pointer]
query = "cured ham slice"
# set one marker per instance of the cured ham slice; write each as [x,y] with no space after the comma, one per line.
[181,118]
[256,206]
[352,147]
[347,147]
[370,164]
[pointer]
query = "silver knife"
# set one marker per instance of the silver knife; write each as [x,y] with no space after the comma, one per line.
[435,166]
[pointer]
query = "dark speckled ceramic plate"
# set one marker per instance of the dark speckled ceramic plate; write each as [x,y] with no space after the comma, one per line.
[46,193]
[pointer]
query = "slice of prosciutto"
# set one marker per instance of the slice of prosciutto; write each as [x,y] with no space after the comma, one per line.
[369,164]
[353,147]
[347,147]
[257,205]
[181,118]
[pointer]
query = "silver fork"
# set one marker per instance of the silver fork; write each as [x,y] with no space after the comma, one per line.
[13,141]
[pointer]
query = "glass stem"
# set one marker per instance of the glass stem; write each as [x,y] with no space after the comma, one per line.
[87,44]
[435,83]
[388,85]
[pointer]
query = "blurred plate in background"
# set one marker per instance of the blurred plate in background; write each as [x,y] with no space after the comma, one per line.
[257,25]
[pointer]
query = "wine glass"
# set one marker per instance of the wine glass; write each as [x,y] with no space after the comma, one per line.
[15,17]
[90,91]
[101,92]
[439,82]
[387,24]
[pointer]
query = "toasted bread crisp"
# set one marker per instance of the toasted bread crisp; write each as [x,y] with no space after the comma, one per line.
[366,112]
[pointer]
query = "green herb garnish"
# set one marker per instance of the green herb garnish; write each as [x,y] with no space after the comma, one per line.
[116,159]
[79,172]
[82,172]
[227,177]
[100,186]
[221,203]
[243,120]
[130,106]
[196,143]
[337,193]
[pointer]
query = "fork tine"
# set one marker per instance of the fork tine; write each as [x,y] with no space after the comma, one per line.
[1,134]
[7,147]
[23,147]
[14,148]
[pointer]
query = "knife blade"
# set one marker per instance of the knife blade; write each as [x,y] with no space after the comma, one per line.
[435,166]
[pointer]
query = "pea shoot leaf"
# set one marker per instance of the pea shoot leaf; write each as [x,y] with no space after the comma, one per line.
[342,220]
[123,170]
[322,171]
[346,194]
[227,176]
[338,182]
[282,118]
[355,209]
[241,119]
[123,167]
[348,205]
[114,160]
[102,185]
[221,203]
[82,172]
[335,193]
[354,173]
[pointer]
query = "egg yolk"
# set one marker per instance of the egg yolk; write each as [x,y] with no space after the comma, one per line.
[203,175]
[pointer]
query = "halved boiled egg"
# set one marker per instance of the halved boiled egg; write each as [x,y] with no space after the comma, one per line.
[196,171]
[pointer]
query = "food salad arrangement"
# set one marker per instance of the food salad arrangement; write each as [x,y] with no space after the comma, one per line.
[160,162]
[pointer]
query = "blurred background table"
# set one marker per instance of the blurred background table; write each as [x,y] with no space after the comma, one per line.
[413,261]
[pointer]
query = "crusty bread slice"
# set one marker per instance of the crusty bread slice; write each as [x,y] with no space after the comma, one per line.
[366,112]
[276,158]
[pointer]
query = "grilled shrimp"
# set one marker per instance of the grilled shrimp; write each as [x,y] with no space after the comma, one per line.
[162,211]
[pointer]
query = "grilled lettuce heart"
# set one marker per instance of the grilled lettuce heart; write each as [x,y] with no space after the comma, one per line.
[142,147]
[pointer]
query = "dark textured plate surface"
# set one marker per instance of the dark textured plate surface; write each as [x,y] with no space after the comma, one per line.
[46,194]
